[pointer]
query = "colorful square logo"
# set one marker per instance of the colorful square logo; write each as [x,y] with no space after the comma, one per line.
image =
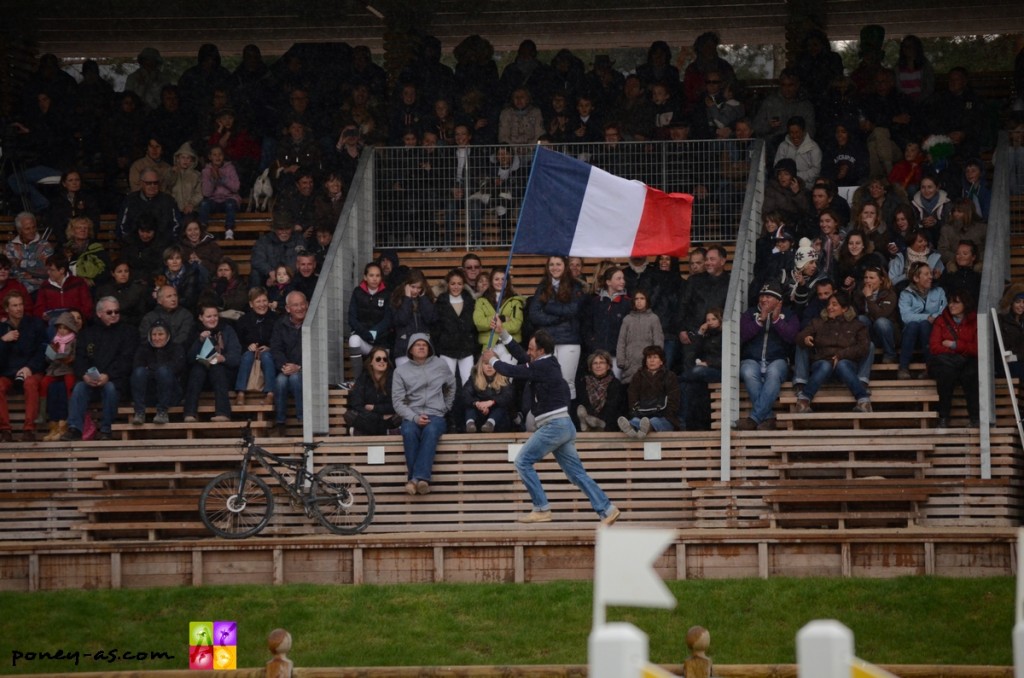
[212,645]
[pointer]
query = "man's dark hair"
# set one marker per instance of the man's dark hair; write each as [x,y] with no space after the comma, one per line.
[544,342]
[822,282]
[722,252]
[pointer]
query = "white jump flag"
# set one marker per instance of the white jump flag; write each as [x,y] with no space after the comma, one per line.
[624,569]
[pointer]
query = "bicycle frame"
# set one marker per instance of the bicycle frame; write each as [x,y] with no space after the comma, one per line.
[271,462]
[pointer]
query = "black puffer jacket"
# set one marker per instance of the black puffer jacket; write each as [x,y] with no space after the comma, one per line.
[454,335]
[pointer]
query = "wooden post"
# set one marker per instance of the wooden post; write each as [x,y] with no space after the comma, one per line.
[279,642]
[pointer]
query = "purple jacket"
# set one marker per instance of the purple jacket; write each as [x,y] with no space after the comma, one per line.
[767,341]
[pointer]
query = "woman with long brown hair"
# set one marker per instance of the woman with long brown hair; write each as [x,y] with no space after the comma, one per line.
[370,411]
[556,308]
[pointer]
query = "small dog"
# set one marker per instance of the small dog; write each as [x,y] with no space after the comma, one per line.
[262,192]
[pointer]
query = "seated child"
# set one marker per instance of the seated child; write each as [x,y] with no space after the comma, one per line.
[220,191]
[278,292]
[60,357]
[488,397]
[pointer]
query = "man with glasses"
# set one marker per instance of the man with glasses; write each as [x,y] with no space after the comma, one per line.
[472,265]
[103,366]
[715,114]
[150,199]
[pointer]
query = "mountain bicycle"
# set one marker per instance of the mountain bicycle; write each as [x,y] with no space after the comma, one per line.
[239,504]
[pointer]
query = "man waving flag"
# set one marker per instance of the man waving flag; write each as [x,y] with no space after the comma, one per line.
[574,209]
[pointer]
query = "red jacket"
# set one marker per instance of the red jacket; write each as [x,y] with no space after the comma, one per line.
[965,334]
[74,293]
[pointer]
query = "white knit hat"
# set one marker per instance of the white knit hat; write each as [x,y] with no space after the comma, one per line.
[804,254]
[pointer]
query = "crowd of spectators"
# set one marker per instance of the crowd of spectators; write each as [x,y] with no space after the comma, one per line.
[906,152]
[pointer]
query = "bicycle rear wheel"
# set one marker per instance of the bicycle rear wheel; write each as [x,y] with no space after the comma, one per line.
[342,499]
[235,511]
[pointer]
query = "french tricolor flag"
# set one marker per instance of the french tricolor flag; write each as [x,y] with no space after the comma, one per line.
[574,209]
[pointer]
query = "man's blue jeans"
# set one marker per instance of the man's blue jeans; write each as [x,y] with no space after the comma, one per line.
[763,387]
[557,436]
[845,370]
[420,443]
[284,385]
[83,394]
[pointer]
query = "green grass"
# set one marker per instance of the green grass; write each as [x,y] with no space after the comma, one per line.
[913,620]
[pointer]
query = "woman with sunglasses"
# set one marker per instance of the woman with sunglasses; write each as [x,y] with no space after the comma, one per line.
[370,412]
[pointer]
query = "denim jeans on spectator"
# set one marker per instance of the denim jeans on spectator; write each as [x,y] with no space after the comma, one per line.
[455,223]
[915,336]
[763,387]
[218,378]
[25,182]
[672,351]
[657,423]
[208,207]
[420,444]
[883,334]
[864,368]
[845,370]
[502,421]
[83,394]
[157,386]
[801,365]
[284,385]
[245,366]
[557,436]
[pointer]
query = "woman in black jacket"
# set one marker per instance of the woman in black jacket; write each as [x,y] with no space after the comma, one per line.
[454,333]
[133,294]
[600,394]
[254,330]
[370,411]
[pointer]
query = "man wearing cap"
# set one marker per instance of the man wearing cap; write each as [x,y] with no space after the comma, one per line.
[147,81]
[273,249]
[423,391]
[766,335]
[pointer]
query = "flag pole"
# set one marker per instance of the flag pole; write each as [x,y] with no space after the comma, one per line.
[508,265]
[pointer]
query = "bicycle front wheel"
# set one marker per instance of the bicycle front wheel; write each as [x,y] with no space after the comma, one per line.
[233,510]
[342,499]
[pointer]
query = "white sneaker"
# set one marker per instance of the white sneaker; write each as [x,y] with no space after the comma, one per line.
[229,234]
